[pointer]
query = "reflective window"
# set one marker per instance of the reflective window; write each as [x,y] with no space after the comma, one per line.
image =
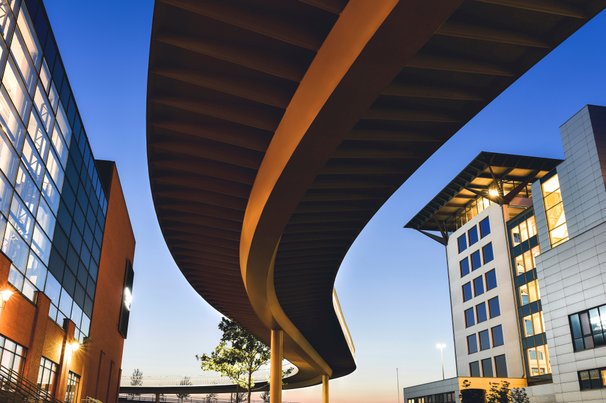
[16,90]
[487,253]
[588,328]
[478,286]
[533,324]
[487,368]
[526,261]
[47,375]
[484,340]
[592,379]
[472,234]
[466,292]
[497,336]
[493,307]
[469,317]
[491,279]
[481,312]
[500,365]
[462,243]
[464,267]
[474,369]
[472,344]
[484,227]
[476,262]
[73,384]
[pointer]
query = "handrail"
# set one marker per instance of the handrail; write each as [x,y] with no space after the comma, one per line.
[14,382]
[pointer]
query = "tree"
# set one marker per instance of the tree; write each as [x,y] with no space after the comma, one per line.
[211,398]
[186,381]
[518,395]
[265,397]
[136,379]
[498,393]
[238,355]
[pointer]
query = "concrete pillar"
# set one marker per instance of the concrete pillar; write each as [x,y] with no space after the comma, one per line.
[275,383]
[324,388]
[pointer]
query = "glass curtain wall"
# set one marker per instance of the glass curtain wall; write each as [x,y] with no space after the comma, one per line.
[52,206]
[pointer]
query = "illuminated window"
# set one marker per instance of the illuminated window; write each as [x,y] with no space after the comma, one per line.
[538,360]
[12,355]
[529,293]
[589,328]
[73,383]
[47,375]
[554,210]
[533,324]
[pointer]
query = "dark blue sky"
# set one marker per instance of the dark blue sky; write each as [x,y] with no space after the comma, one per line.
[392,284]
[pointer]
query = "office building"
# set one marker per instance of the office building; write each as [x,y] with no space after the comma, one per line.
[526,254]
[66,241]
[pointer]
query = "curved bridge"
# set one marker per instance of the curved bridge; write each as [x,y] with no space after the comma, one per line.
[277,128]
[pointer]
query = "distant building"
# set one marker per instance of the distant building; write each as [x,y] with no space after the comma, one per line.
[526,250]
[65,237]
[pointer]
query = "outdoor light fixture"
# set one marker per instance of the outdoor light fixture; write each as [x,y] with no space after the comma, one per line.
[74,346]
[5,295]
[441,347]
[493,192]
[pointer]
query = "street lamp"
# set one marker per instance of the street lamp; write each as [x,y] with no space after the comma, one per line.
[5,295]
[441,347]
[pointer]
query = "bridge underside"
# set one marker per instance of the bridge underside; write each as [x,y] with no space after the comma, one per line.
[276,129]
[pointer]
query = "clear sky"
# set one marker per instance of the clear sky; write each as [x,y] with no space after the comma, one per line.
[392,284]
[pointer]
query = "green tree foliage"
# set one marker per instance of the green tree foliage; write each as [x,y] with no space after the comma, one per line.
[265,397]
[136,379]
[185,381]
[238,355]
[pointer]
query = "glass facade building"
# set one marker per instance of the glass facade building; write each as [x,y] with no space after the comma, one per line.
[52,205]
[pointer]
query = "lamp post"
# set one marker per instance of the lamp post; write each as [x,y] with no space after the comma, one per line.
[441,347]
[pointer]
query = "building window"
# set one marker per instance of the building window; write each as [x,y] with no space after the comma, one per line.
[73,383]
[491,279]
[523,231]
[464,267]
[12,355]
[473,235]
[484,227]
[500,365]
[529,292]
[481,312]
[47,375]
[484,340]
[554,210]
[533,324]
[487,253]
[462,243]
[472,344]
[466,292]
[526,261]
[476,261]
[487,368]
[538,360]
[478,286]
[588,328]
[474,369]
[497,336]
[493,307]
[469,318]
[592,379]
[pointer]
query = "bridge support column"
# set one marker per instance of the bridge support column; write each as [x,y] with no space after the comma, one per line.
[157,398]
[324,388]
[275,382]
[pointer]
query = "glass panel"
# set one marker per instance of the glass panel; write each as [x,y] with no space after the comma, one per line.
[16,90]
[497,336]
[36,272]
[15,248]
[8,159]
[43,108]
[478,286]
[6,192]
[491,279]
[10,121]
[38,135]
[484,340]
[469,317]
[23,63]
[487,253]
[21,219]
[464,267]
[29,38]
[481,312]
[473,235]
[487,368]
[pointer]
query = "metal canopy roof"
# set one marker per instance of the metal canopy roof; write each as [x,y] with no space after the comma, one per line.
[476,178]
[277,128]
